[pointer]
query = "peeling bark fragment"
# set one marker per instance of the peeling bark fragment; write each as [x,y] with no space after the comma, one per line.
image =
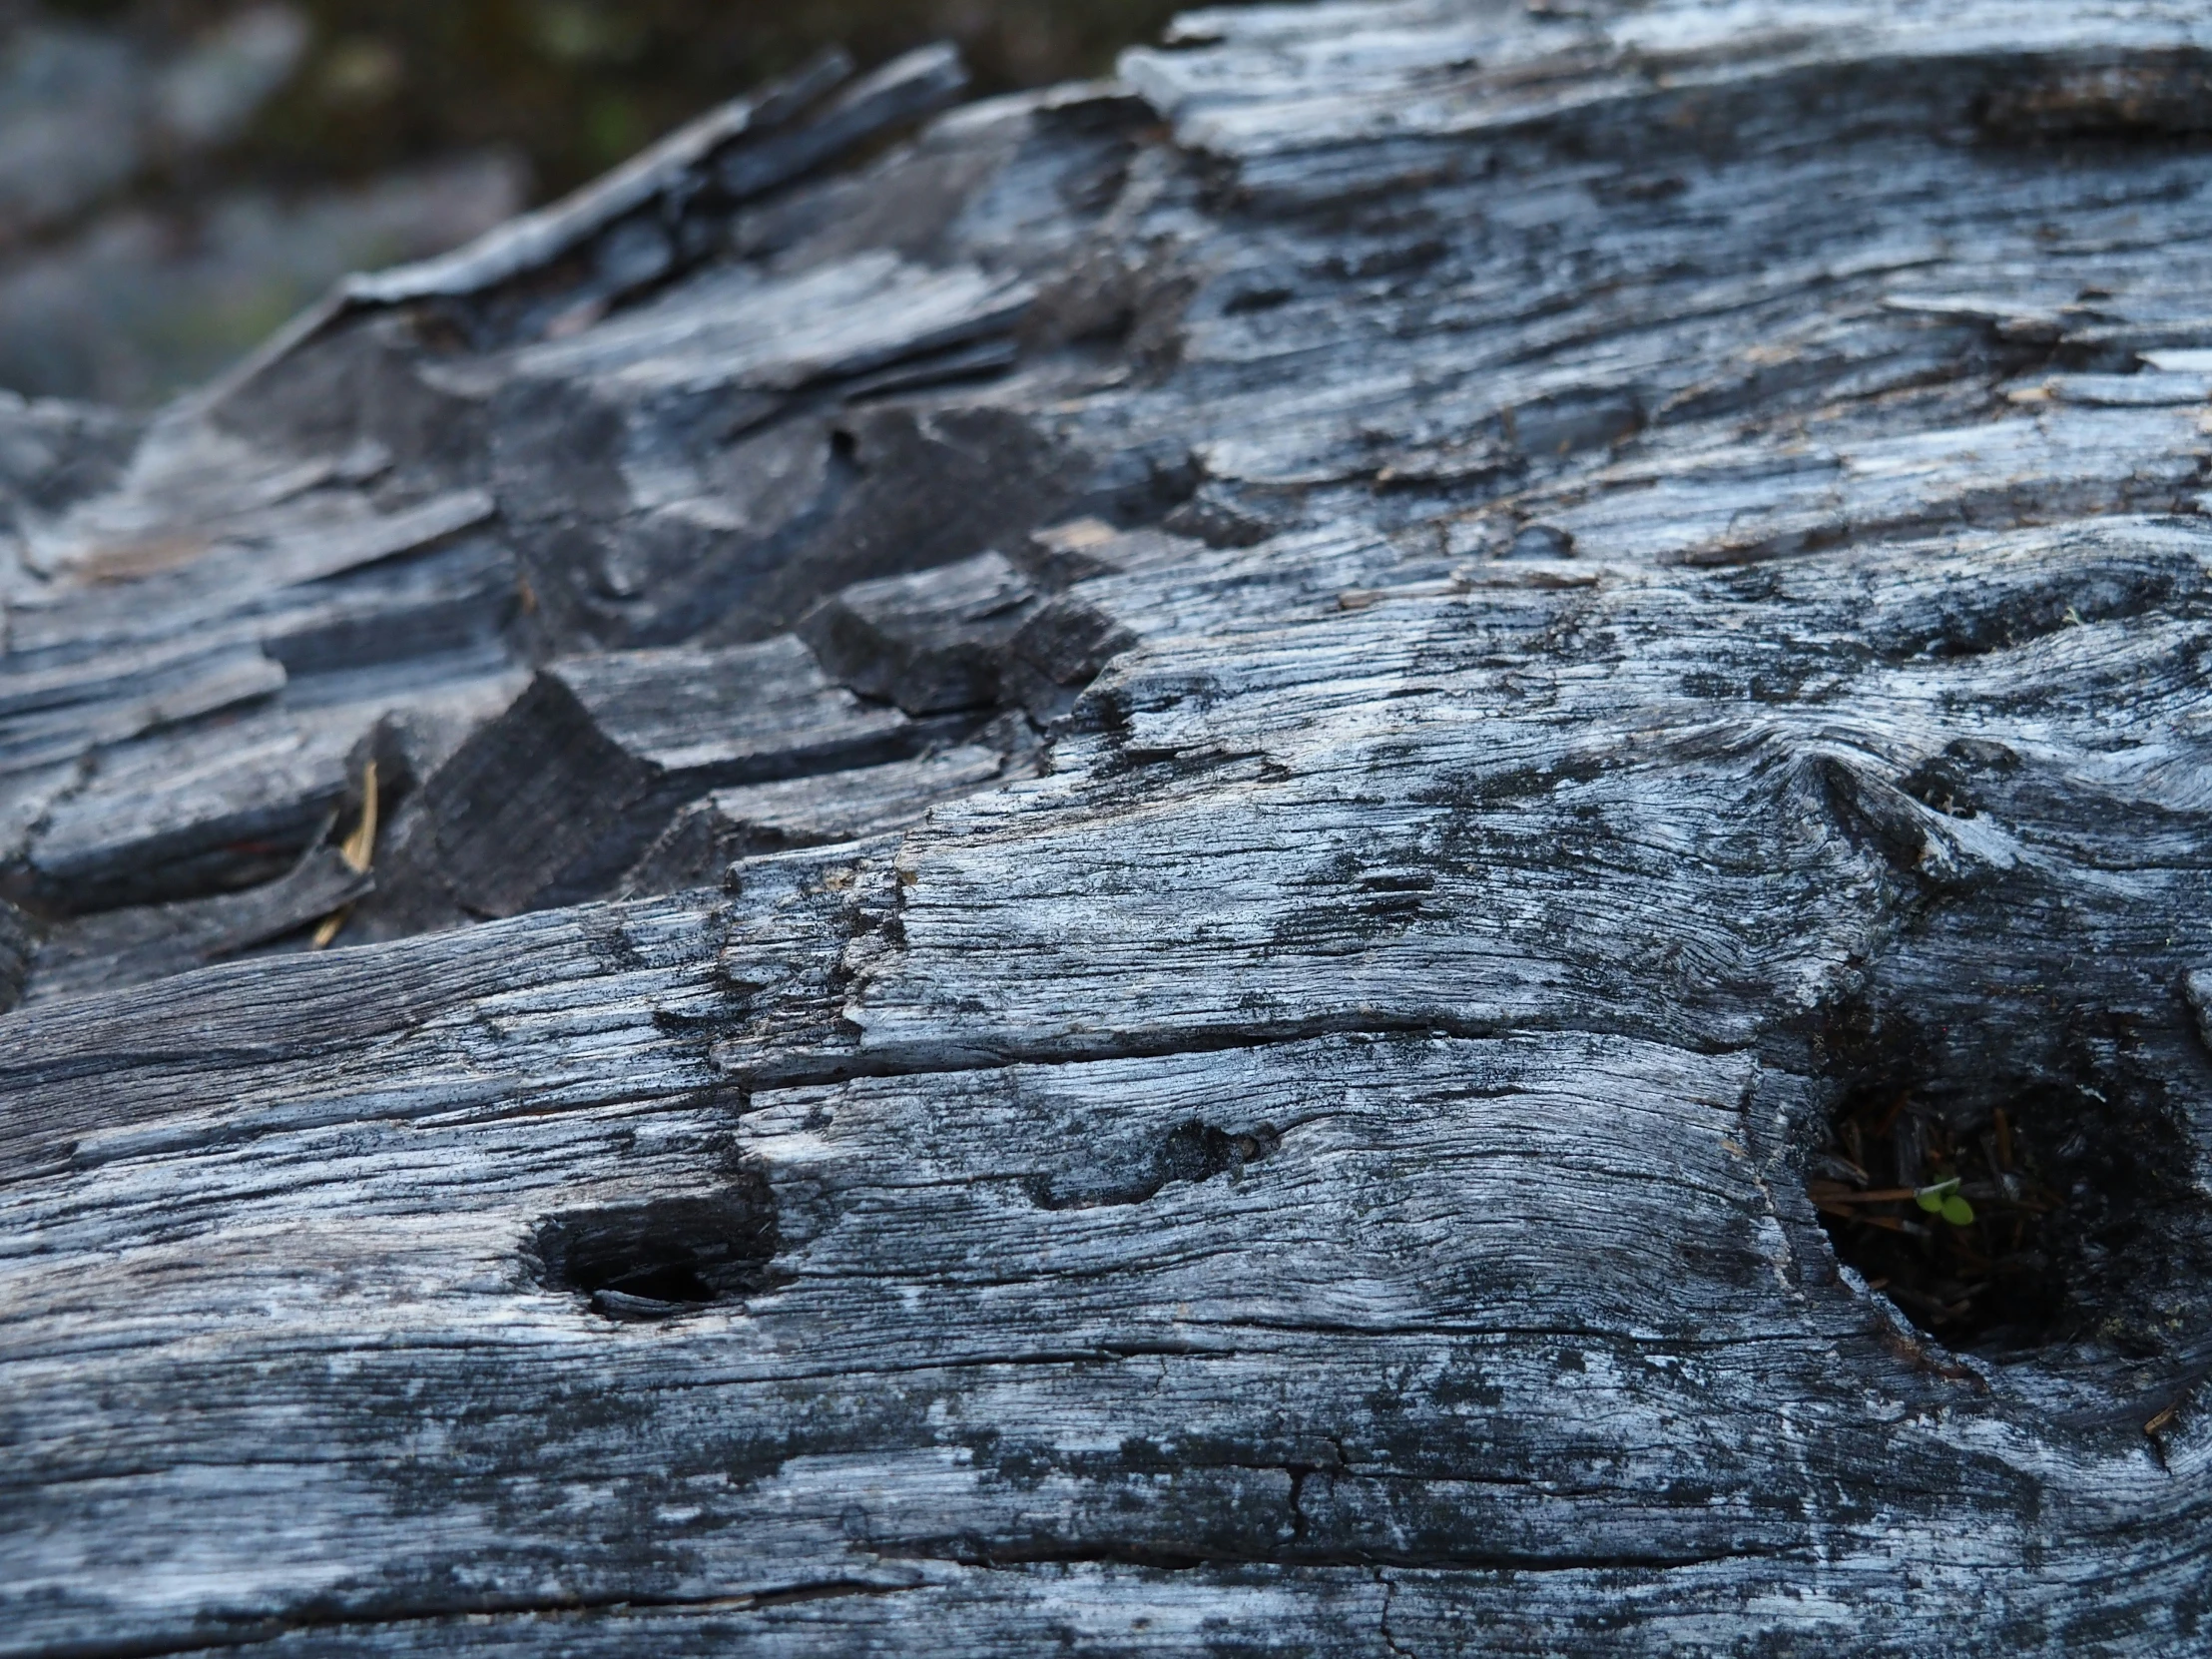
[710,835]
[560,796]
[930,643]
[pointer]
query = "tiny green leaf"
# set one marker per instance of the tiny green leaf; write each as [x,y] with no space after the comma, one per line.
[1957,1210]
[1931,1198]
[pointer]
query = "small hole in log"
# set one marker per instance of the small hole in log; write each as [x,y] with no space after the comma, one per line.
[1191,1153]
[2004,1218]
[663,1257]
[1976,1266]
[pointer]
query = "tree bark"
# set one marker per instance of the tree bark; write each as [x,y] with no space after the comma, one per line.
[1466,752]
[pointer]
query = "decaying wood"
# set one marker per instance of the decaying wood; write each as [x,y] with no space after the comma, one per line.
[1158,876]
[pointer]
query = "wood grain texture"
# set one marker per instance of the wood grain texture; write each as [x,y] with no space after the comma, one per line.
[1130,866]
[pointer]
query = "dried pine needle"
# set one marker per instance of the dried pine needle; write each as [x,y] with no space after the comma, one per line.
[358,850]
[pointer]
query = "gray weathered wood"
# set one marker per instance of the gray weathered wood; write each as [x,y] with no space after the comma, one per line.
[709,836]
[1368,688]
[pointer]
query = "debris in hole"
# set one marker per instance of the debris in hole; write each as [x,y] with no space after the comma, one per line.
[1955,1224]
[671,1255]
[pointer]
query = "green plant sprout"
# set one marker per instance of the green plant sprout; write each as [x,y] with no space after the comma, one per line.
[1942,1199]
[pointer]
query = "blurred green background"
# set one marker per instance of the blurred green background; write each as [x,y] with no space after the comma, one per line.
[178,176]
[577,85]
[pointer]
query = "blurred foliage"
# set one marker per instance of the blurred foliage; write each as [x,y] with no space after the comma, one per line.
[577,85]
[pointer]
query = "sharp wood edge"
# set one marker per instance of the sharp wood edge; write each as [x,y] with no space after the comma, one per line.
[1125,859]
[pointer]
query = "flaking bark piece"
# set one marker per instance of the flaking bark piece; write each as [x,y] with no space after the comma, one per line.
[552,801]
[711,835]
[128,947]
[931,642]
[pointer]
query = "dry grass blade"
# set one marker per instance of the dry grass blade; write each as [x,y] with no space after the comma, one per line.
[358,850]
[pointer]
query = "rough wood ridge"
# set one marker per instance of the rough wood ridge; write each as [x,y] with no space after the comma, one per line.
[1156,869]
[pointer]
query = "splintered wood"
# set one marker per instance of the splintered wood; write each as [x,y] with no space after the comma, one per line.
[1393,841]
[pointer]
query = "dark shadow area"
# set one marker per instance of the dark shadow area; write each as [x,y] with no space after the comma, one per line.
[1956,1224]
[2005,1215]
[660,1258]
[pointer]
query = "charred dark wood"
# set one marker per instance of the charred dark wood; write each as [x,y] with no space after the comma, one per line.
[934,642]
[1395,841]
[552,801]
[113,948]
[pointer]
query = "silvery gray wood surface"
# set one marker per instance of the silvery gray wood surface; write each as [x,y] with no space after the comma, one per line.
[1423,632]
[709,836]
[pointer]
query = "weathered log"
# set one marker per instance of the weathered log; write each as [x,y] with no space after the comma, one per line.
[1472,914]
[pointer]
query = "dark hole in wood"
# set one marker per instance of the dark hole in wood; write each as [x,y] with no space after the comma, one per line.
[1198,1152]
[1263,299]
[2004,1219]
[1190,1152]
[662,1258]
[1983,1272]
